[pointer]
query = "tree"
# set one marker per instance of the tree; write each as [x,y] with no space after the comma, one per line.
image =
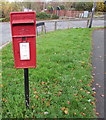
[37,6]
[27,5]
[7,7]
[62,7]
[101,7]
[83,6]
[68,5]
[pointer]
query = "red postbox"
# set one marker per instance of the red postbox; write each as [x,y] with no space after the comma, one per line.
[23,27]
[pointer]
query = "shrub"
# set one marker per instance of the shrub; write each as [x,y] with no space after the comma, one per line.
[55,17]
[43,15]
[6,20]
[2,19]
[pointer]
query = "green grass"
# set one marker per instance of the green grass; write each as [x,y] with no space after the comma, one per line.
[59,86]
[1,85]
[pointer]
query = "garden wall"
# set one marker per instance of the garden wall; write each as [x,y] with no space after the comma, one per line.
[66,13]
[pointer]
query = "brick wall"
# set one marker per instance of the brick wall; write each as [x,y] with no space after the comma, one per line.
[67,13]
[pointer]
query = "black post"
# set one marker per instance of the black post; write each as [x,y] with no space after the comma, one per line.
[55,25]
[26,83]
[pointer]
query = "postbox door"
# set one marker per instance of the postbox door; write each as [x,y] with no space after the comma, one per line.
[24,52]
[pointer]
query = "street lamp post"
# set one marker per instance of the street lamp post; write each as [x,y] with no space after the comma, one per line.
[93,10]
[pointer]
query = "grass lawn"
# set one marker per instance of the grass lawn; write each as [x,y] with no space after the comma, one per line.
[60,86]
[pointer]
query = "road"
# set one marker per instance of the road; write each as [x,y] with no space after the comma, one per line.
[5,32]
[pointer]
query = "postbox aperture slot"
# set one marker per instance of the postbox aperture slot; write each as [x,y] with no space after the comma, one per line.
[23,38]
[22,23]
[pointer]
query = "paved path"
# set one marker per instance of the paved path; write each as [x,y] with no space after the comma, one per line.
[5,32]
[98,69]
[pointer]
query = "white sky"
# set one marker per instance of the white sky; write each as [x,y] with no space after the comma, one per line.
[58,0]
[14,0]
[27,0]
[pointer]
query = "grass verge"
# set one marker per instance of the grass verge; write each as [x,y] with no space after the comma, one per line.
[60,86]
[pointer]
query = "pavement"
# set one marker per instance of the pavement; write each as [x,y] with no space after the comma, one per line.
[98,70]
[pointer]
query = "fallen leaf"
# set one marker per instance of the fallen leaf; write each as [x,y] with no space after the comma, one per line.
[4,100]
[53,85]
[87,92]
[94,92]
[48,103]
[9,74]
[93,103]
[34,89]
[59,93]
[75,94]
[94,67]
[81,88]
[61,90]
[89,84]
[1,85]
[68,102]
[80,80]
[89,100]
[45,113]
[63,108]
[33,107]
[83,113]
[97,84]
[82,61]
[83,96]
[43,82]
[93,95]
[97,113]
[66,111]
[94,109]
[35,92]
[43,99]
[102,95]
[75,113]
[93,80]
[93,89]
[41,113]
[36,96]
[93,74]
